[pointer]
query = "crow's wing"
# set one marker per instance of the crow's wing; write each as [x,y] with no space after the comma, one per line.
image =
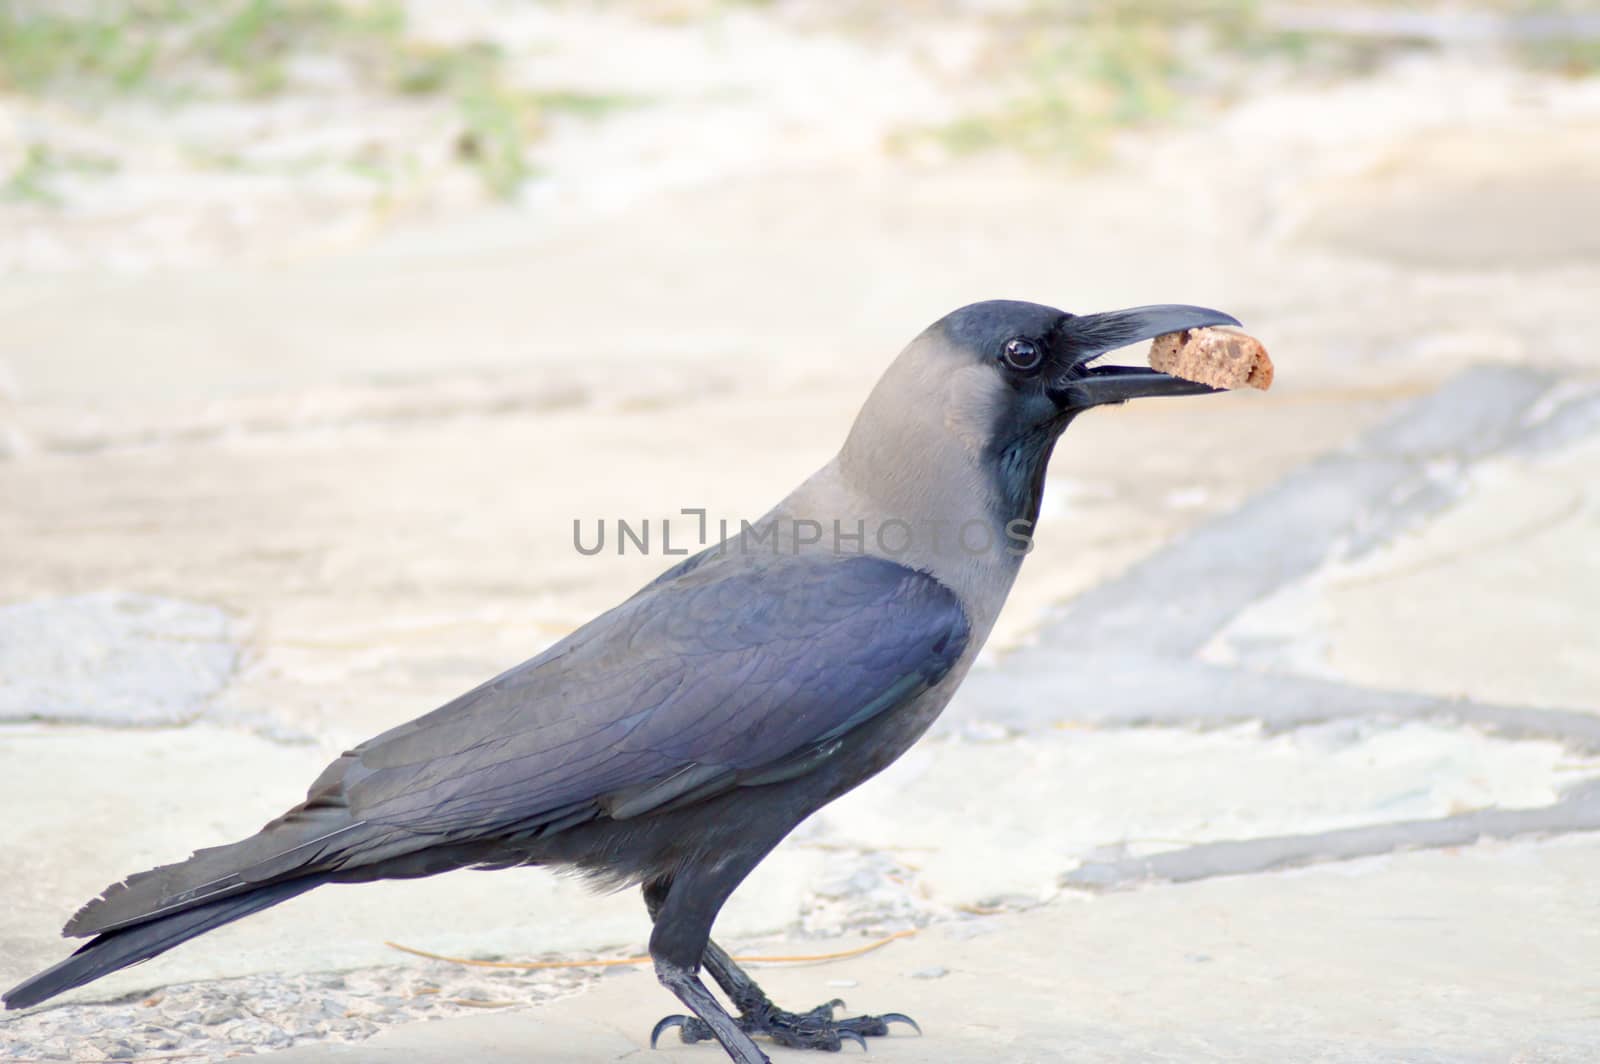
[729,671]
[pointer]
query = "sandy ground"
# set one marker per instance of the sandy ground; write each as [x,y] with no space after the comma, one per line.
[258,510]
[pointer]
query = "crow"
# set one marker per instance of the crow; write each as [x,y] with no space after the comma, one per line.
[674,740]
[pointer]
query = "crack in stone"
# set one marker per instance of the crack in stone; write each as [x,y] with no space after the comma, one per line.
[1135,690]
[1578,811]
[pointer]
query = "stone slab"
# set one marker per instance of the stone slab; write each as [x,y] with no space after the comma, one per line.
[1476,955]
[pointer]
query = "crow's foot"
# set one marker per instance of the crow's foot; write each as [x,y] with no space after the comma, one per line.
[816,1029]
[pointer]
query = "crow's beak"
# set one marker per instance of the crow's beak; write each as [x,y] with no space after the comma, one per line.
[1088,336]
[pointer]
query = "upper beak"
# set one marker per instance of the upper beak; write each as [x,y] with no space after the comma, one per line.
[1088,336]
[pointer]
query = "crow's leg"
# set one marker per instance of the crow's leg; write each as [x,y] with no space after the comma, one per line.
[816,1029]
[683,911]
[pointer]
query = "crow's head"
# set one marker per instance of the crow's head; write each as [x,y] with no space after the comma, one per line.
[1033,365]
[989,388]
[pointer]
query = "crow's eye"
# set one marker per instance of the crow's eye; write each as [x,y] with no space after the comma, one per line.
[1021,354]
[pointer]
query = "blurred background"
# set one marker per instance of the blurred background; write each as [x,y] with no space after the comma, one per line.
[323,321]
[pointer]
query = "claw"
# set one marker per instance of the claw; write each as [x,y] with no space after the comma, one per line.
[666,1024]
[836,1003]
[845,1032]
[900,1017]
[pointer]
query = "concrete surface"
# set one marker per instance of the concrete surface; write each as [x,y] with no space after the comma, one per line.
[1323,627]
[1418,957]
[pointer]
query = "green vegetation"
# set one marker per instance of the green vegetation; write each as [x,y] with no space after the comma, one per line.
[1072,72]
[1075,84]
[1574,57]
[176,50]
[1559,52]
[1066,74]
[172,52]
[32,180]
[1076,72]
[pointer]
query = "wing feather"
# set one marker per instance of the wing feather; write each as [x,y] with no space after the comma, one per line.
[726,672]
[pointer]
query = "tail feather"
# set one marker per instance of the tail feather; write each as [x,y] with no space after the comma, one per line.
[291,846]
[130,945]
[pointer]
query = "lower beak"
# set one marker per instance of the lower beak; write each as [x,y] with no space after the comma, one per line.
[1089,336]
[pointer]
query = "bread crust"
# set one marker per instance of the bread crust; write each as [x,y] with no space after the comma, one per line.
[1218,356]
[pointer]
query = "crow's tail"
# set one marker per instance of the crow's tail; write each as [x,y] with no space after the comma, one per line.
[129,945]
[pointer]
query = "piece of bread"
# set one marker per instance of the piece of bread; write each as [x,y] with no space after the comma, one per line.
[1220,357]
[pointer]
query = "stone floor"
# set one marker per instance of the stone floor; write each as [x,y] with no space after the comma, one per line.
[1287,748]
